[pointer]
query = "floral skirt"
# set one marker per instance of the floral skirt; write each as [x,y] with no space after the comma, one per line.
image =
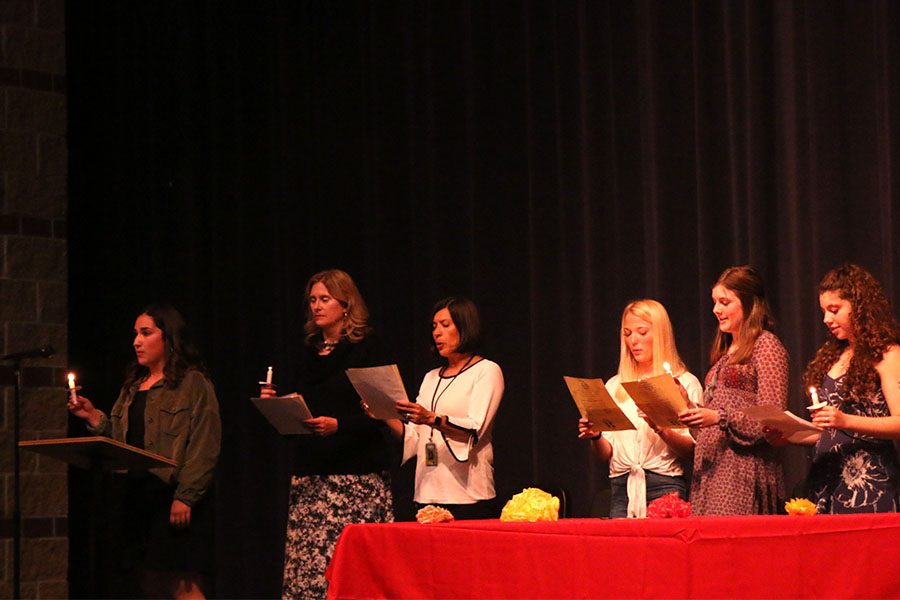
[854,475]
[320,506]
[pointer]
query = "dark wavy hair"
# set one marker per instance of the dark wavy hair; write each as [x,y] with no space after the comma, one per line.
[465,316]
[181,354]
[747,284]
[875,329]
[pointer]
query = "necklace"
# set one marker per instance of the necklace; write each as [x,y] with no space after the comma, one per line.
[326,346]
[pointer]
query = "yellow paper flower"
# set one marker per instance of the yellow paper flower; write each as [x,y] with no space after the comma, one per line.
[800,507]
[531,504]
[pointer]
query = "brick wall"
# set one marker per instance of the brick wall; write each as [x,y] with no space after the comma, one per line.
[33,304]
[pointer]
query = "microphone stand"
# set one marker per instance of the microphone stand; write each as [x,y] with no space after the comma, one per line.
[17,497]
[16,360]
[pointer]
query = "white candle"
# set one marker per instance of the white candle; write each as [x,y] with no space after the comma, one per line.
[73,395]
[668,369]
[269,376]
[814,395]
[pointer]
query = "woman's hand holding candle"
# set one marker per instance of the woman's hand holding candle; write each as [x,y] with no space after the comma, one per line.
[73,394]
[80,406]
[829,417]
[816,404]
[268,388]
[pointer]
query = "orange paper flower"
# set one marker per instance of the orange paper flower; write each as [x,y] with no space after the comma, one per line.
[433,514]
[531,504]
[800,507]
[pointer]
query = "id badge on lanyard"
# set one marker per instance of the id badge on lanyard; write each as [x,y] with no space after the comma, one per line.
[431,454]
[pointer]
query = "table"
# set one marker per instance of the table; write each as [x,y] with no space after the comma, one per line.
[723,557]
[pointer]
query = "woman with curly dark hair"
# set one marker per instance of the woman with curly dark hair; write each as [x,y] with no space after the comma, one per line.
[856,373]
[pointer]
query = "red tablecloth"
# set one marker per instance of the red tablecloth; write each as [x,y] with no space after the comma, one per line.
[723,557]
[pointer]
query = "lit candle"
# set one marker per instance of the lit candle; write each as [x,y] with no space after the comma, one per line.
[668,369]
[814,395]
[269,376]
[73,394]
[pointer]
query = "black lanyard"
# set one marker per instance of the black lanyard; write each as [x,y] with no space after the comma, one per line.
[435,397]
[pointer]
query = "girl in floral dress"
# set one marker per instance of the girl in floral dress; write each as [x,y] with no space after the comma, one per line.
[736,471]
[857,374]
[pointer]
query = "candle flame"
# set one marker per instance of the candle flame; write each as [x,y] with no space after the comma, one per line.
[668,368]
[71,378]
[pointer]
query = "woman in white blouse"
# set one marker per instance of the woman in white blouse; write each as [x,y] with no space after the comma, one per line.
[450,424]
[645,463]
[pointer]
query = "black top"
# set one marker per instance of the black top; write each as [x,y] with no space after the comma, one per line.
[361,444]
[135,435]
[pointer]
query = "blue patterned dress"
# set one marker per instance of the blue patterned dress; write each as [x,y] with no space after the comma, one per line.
[852,472]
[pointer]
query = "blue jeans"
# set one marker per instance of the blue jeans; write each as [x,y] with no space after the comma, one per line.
[657,486]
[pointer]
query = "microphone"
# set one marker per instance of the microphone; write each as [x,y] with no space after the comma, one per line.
[42,352]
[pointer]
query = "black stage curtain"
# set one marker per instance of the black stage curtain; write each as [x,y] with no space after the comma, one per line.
[552,160]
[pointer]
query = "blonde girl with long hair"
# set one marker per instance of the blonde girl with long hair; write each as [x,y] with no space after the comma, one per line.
[645,463]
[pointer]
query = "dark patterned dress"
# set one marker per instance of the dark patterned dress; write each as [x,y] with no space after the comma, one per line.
[736,472]
[852,472]
[321,505]
[338,479]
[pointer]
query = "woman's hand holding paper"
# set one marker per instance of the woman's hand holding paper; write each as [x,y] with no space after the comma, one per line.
[586,429]
[649,420]
[775,437]
[322,426]
[699,417]
[415,413]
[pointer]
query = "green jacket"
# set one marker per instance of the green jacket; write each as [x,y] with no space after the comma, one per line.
[182,424]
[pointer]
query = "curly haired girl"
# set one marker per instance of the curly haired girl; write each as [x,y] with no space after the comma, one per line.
[856,373]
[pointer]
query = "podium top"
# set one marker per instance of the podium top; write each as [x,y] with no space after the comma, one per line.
[103,452]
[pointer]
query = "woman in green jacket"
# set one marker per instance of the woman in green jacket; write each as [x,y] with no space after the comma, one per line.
[167,406]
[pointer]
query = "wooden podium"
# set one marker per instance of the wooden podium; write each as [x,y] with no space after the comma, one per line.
[98,452]
[99,455]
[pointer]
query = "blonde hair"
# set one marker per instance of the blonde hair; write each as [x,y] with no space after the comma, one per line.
[664,349]
[342,288]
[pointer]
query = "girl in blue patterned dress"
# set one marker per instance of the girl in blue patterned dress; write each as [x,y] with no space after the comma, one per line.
[857,375]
